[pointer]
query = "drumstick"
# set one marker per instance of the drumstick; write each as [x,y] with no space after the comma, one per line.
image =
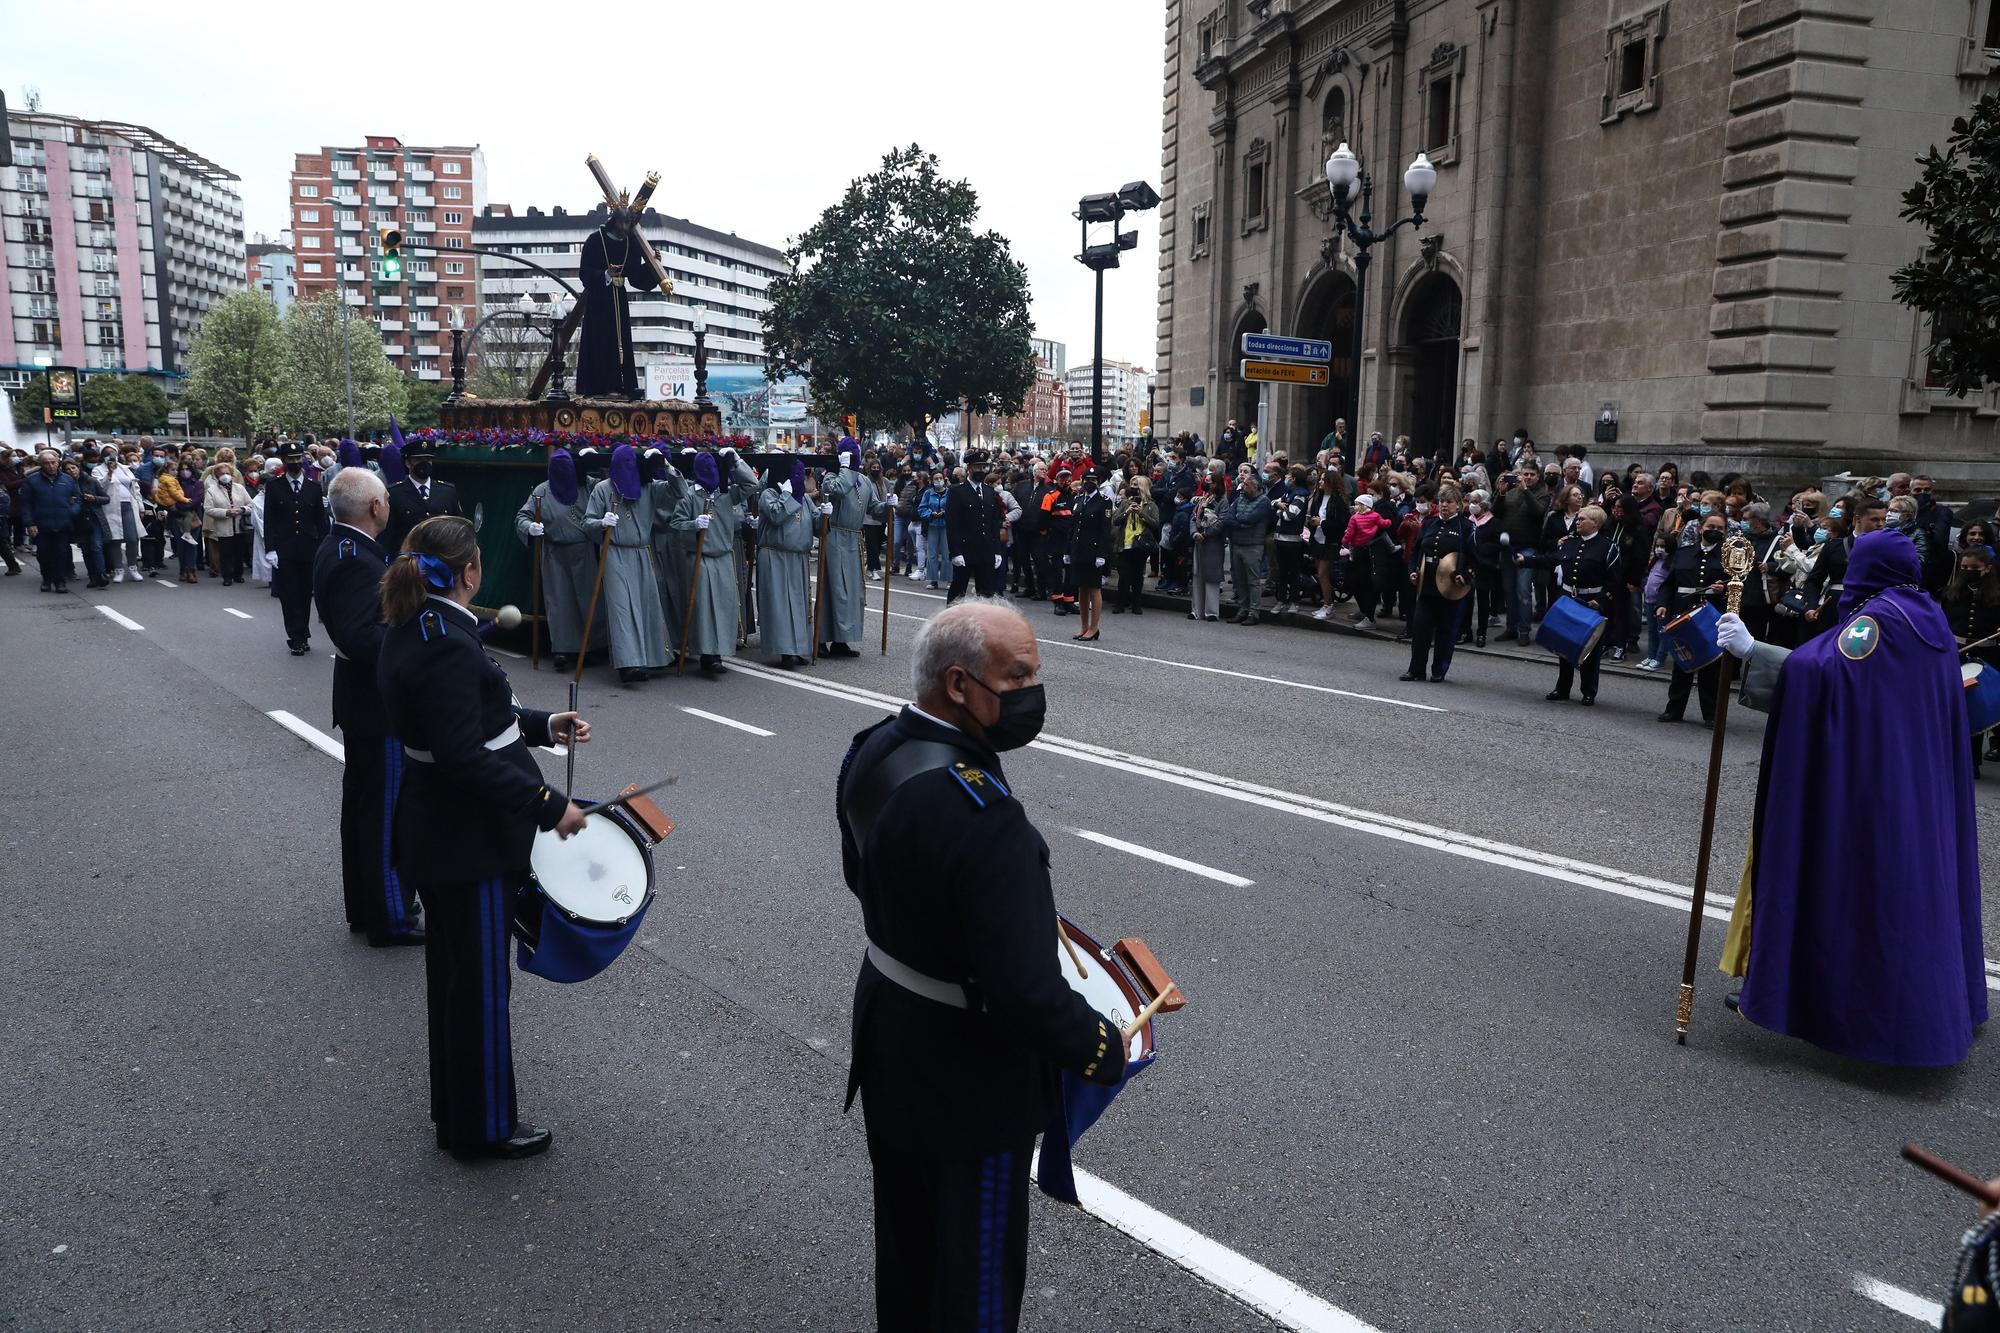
[628,795]
[1945,1171]
[569,771]
[1131,1029]
[1070,945]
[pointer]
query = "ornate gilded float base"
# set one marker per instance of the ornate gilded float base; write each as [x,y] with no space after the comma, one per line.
[583,416]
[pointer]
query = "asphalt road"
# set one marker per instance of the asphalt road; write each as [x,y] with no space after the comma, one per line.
[1426,1072]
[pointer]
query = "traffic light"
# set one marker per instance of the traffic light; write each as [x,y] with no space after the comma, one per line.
[392,254]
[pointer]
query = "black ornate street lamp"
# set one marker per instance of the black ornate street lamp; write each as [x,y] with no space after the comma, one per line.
[559,308]
[1136,197]
[1343,172]
[700,322]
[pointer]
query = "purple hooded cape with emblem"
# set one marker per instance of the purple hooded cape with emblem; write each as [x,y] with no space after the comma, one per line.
[1865,935]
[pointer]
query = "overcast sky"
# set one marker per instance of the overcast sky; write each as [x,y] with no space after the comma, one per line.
[756,113]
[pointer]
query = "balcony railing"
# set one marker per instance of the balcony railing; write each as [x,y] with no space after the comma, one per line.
[426,301]
[347,174]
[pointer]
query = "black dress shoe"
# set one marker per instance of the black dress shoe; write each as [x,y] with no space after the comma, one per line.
[525,1141]
[1138,610]
[1409,675]
[1479,640]
[562,661]
[1117,610]
[843,650]
[1438,679]
[711,664]
[1669,717]
[299,650]
[1557,696]
[630,675]
[396,939]
[1590,701]
[1733,1001]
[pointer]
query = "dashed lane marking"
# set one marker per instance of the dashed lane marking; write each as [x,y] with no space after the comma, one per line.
[308,733]
[117,618]
[167,584]
[240,615]
[1919,1308]
[1162,858]
[726,721]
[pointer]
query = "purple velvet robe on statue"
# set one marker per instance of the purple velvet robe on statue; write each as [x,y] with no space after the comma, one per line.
[1866,934]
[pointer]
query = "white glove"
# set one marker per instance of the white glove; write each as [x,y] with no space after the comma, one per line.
[535,529]
[701,522]
[1344,553]
[1100,562]
[728,453]
[846,459]
[1734,635]
[610,519]
[1506,540]
[996,562]
[826,510]
[958,562]
[1065,560]
[890,499]
[270,559]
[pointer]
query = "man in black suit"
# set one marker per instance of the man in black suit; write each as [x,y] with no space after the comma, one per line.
[294,522]
[347,578]
[972,529]
[417,497]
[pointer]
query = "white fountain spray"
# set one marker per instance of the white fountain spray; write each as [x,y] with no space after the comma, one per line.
[8,438]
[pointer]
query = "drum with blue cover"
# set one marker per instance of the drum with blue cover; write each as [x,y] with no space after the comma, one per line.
[1982,696]
[1570,630]
[1692,638]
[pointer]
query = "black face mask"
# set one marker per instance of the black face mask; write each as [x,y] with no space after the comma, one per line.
[1022,712]
[420,468]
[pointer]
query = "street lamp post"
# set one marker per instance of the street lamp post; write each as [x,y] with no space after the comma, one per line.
[1137,197]
[48,400]
[700,322]
[559,308]
[1343,172]
[457,356]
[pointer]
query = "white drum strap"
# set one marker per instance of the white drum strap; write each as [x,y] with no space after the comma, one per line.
[500,742]
[944,992]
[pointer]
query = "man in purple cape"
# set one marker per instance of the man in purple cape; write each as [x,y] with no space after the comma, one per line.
[1865,938]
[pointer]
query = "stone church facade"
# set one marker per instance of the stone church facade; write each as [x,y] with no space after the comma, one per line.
[1683,213]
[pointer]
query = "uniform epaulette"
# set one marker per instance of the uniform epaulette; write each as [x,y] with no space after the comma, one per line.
[345,549]
[430,620]
[978,783]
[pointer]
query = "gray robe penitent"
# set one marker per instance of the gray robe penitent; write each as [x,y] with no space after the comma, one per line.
[671,557]
[630,605]
[713,630]
[854,500]
[784,554]
[569,567]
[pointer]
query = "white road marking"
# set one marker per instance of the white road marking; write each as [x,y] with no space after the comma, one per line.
[1605,879]
[1278,1299]
[117,619]
[312,735]
[1214,671]
[726,721]
[518,657]
[1901,1301]
[165,584]
[1192,867]
[240,615]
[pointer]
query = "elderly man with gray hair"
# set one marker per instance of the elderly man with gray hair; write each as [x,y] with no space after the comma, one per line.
[346,586]
[962,1020]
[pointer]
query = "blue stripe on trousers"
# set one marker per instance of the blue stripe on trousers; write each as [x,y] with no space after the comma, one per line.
[988,1255]
[486,1024]
[503,1039]
[392,781]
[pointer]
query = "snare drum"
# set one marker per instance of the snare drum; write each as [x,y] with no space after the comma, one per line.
[1982,696]
[1105,985]
[585,896]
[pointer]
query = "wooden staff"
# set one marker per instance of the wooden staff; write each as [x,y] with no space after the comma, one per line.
[825,531]
[694,589]
[888,568]
[1736,560]
[1984,1191]
[535,602]
[590,617]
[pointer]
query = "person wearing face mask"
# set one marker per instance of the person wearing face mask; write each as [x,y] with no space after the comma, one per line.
[226,506]
[1972,604]
[974,514]
[931,520]
[52,503]
[1935,519]
[1487,569]
[1695,575]
[294,522]
[963,1024]
[417,496]
[1834,539]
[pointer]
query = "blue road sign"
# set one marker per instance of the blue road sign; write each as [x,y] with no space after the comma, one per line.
[1278,346]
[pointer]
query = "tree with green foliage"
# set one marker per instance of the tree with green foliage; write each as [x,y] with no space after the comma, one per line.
[422,400]
[1956,281]
[29,400]
[309,389]
[896,308]
[123,403]
[233,361]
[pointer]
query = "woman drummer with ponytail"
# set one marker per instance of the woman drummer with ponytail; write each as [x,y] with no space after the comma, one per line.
[471,801]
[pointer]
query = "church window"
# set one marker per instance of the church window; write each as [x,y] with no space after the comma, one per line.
[1632,52]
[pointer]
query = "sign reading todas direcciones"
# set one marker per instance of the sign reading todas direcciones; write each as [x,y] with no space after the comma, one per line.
[1284,372]
[65,394]
[1279,347]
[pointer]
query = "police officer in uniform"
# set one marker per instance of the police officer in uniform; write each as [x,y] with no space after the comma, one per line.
[417,496]
[1434,625]
[294,522]
[1590,565]
[962,1021]
[472,799]
[347,586]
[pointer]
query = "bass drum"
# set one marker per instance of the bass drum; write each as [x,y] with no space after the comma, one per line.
[1095,974]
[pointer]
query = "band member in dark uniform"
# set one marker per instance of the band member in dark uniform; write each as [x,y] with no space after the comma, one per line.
[1696,573]
[1434,626]
[1089,552]
[471,802]
[347,586]
[417,496]
[962,1021]
[1590,569]
[294,522]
